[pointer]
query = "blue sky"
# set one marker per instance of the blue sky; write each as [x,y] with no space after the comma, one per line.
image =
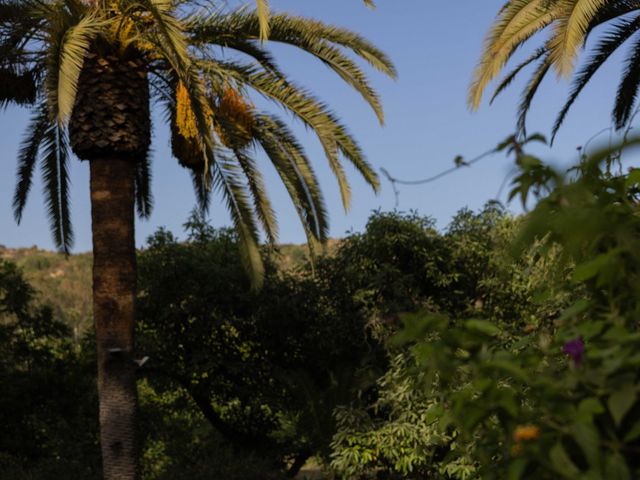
[435,47]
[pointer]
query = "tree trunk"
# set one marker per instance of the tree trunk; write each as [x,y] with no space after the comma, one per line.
[114,284]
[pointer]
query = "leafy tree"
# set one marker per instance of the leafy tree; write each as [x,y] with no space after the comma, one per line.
[47,404]
[554,395]
[264,368]
[570,22]
[89,70]
[399,432]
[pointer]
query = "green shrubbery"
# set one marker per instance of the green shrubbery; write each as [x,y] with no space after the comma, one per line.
[48,412]
[548,390]
[501,348]
[263,369]
[401,432]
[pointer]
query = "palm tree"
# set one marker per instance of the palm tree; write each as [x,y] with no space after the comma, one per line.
[570,22]
[89,70]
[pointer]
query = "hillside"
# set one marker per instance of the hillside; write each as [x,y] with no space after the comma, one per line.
[62,282]
[65,282]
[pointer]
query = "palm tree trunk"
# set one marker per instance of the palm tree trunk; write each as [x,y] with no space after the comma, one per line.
[114,283]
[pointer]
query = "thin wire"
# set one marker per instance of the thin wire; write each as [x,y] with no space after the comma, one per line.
[396,181]
[593,137]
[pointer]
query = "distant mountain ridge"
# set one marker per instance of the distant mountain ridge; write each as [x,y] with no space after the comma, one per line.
[64,282]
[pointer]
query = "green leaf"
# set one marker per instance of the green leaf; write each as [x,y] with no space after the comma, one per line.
[575,309]
[509,368]
[592,475]
[633,178]
[588,408]
[590,269]
[517,468]
[586,435]
[562,463]
[483,326]
[434,413]
[616,468]
[416,325]
[536,137]
[506,143]
[528,161]
[590,329]
[633,433]
[621,402]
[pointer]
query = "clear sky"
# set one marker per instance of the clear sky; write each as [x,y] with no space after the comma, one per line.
[435,47]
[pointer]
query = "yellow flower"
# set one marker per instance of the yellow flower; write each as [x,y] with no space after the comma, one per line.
[185,117]
[526,432]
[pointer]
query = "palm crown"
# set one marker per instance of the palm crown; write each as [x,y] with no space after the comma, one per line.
[570,23]
[53,51]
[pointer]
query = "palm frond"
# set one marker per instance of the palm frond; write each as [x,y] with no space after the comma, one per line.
[620,32]
[55,158]
[263,10]
[17,88]
[227,178]
[514,73]
[628,88]
[296,173]
[247,47]
[573,22]
[71,51]
[202,189]
[298,31]
[261,202]
[27,158]
[144,197]
[289,29]
[333,136]
[168,36]
[530,91]
[517,22]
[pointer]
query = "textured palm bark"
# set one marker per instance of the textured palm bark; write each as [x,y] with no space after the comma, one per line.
[110,127]
[111,114]
[114,282]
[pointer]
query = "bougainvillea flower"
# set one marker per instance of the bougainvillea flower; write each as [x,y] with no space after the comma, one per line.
[575,349]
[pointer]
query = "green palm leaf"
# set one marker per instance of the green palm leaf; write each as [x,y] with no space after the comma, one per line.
[610,42]
[574,19]
[227,178]
[144,197]
[530,91]
[297,175]
[55,159]
[506,81]
[178,43]
[628,88]
[517,22]
[73,47]
[27,158]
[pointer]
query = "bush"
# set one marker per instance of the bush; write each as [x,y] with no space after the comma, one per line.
[47,408]
[555,395]
[261,371]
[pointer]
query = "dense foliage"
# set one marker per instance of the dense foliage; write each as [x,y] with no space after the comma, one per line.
[265,368]
[498,348]
[549,391]
[399,432]
[47,406]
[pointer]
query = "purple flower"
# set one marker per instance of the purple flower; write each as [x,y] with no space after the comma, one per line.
[575,349]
